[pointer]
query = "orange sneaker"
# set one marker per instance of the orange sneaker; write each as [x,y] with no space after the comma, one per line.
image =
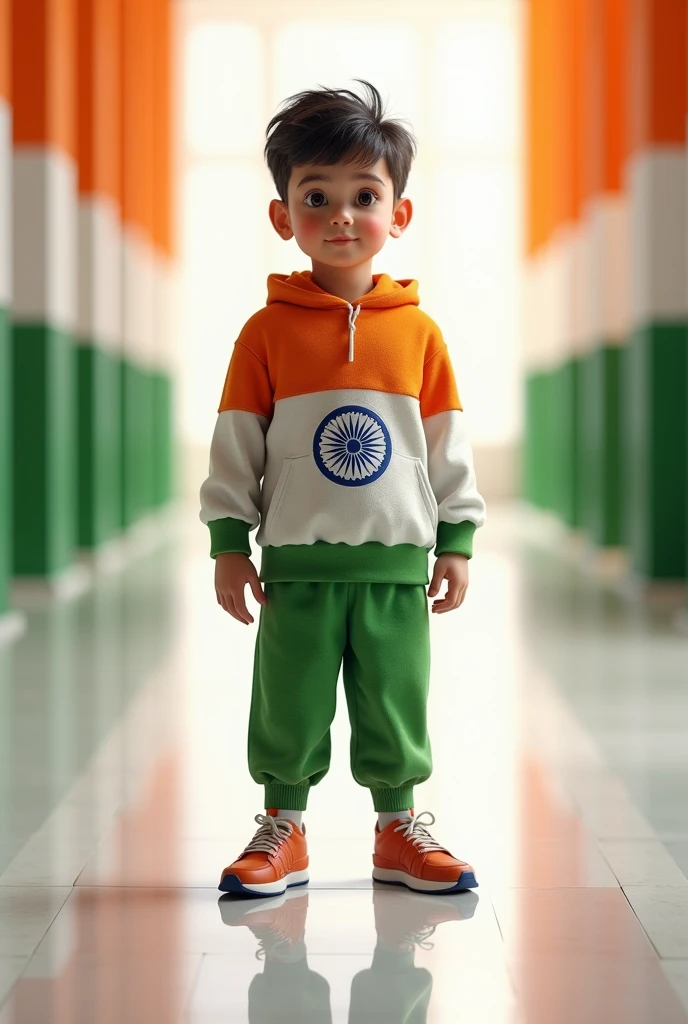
[406,854]
[275,860]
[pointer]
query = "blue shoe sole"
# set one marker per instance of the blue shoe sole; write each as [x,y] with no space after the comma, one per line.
[230,883]
[464,884]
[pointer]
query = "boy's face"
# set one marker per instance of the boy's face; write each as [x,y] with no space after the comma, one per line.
[327,202]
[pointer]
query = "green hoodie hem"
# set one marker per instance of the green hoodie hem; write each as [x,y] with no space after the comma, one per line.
[345,563]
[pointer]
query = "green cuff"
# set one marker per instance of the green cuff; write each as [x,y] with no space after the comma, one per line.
[389,800]
[229,536]
[279,794]
[455,539]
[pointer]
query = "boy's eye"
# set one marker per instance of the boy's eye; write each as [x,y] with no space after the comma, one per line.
[316,199]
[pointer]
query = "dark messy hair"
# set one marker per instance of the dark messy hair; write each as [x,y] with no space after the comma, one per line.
[331,126]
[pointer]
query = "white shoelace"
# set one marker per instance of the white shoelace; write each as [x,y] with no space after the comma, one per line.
[416,833]
[270,835]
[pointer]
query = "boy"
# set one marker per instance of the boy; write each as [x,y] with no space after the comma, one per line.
[340,397]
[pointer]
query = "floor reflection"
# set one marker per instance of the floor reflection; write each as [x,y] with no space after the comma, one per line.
[392,989]
[69,679]
[124,964]
[116,954]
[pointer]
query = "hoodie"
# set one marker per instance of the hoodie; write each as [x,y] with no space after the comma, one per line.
[340,436]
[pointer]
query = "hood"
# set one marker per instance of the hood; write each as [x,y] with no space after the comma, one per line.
[299,289]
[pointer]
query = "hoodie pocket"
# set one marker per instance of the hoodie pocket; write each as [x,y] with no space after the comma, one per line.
[397,508]
[429,499]
[277,503]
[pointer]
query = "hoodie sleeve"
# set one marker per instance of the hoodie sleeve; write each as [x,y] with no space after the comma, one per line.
[450,458]
[230,496]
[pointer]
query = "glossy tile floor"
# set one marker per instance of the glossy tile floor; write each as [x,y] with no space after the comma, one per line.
[559,719]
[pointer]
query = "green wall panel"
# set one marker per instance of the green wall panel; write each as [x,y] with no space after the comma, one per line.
[599,417]
[5,462]
[655,450]
[530,435]
[99,445]
[163,484]
[148,427]
[539,445]
[44,450]
[565,458]
[543,445]
[130,399]
[138,432]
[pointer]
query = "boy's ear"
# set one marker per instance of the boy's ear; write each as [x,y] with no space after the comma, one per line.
[403,212]
[279,218]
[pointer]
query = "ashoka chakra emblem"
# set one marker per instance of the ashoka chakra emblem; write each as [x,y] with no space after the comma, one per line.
[352,446]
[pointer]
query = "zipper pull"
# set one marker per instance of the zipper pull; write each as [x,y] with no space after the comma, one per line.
[353,313]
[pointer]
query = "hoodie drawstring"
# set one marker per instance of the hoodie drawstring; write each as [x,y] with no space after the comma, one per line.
[353,313]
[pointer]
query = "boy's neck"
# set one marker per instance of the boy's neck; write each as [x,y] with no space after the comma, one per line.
[348,283]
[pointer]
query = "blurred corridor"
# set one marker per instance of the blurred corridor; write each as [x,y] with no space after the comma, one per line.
[606,301]
[549,240]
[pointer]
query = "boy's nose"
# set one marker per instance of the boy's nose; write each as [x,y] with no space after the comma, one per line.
[341,216]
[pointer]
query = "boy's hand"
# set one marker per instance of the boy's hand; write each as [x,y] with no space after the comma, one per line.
[232,573]
[453,568]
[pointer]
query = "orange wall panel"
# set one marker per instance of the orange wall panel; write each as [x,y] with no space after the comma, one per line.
[541,106]
[29,70]
[657,73]
[85,94]
[615,93]
[580,85]
[579,73]
[98,97]
[43,73]
[163,126]
[5,49]
[590,94]
[571,144]
[108,42]
[607,98]
[137,114]
[146,118]
[562,142]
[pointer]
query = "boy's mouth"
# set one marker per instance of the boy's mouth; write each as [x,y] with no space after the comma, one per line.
[341,240]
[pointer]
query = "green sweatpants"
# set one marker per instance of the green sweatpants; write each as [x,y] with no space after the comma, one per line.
[380,632]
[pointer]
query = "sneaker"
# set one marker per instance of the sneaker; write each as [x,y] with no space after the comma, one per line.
[275,860]
[406,854]
[404,920]
[278,923]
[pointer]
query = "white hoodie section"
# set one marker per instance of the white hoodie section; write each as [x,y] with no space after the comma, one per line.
[415,466]
[450,466]
[237,462]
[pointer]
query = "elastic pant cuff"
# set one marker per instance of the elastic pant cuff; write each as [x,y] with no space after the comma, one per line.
[281,796]
[393,799]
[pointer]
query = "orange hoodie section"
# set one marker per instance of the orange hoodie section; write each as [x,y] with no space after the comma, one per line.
[299,344]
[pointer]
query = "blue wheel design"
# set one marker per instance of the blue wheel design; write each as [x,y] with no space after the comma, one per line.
[352,446]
